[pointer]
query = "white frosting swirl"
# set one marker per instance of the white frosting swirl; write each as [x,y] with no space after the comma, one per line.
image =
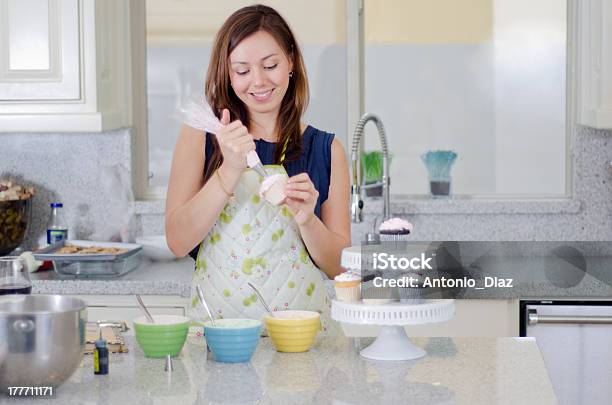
[393,224]
[269,181]
[346,276]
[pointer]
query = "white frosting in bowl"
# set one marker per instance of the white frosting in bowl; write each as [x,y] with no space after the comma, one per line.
[294,315]
[162,320]
[233,323]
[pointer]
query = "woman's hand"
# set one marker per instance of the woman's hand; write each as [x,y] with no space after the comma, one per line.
[235,142]
[301,198]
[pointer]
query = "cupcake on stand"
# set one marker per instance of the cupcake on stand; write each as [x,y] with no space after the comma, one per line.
[395,230]
[348,287]
[415,293]
[392,342]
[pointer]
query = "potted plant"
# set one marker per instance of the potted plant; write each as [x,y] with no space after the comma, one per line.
[372,169]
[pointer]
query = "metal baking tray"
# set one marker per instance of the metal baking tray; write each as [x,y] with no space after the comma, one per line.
[48,253]
[92,264]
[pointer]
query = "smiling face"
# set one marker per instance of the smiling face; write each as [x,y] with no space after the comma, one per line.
[259,72]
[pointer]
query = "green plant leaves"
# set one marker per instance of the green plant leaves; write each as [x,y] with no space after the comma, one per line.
[372,166]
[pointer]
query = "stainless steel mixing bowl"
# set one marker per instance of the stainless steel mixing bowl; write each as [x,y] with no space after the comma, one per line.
[44,337]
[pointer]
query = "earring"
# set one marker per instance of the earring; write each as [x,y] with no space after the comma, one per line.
[291,74]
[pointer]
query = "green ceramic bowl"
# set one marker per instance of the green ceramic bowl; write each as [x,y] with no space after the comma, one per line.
[165,337]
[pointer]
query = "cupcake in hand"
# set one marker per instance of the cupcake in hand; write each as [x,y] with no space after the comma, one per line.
[272,189]
[395,230]
[348,287]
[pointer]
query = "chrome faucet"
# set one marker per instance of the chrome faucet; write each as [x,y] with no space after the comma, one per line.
[356,184]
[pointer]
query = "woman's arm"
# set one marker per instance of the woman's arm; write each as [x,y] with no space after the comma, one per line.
[193,207]
[326,237]
[192,210]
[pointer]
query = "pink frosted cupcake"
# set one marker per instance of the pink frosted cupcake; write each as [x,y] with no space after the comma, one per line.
[272,189]
[348,287]
[395,230]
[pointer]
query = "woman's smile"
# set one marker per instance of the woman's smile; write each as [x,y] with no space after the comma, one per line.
[262,96]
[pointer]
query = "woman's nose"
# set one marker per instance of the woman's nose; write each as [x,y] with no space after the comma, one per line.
[258,77]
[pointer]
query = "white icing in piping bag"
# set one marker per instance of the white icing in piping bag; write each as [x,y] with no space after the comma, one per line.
[254,163]
[199,115]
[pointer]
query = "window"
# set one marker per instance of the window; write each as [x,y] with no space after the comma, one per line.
[484,78]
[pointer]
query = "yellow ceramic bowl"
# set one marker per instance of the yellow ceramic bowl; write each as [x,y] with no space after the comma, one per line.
[293,331]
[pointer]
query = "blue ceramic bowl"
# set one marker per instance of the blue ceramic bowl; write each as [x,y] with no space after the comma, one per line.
[232,340]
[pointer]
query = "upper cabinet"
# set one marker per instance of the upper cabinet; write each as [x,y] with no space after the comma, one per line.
[594,55]
[64,65]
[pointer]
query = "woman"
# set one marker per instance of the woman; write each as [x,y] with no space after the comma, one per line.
[257,85]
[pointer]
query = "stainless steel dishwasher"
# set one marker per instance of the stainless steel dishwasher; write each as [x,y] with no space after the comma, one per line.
[575,338]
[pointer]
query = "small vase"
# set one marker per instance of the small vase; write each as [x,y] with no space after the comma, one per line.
[440,187]
[374,191]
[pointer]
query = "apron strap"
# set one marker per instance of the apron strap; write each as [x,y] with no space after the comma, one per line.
[282,158]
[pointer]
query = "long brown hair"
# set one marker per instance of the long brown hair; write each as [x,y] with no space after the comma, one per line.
[219,92]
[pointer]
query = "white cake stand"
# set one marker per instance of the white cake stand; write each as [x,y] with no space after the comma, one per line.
[392,342]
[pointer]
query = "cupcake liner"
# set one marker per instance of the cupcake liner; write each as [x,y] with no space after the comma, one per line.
[348,294]
[395,238]
[378,295]
[411,295]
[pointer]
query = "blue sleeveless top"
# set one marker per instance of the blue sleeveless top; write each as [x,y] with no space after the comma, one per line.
[315,159]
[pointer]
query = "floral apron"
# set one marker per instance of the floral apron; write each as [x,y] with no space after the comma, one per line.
[254,241]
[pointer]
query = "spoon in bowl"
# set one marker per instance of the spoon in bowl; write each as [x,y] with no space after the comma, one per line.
[203,301]
[144,309]
[212,319]
[261,299]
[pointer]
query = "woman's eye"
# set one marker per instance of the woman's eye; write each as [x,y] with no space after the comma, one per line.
[271,67]
[242,73]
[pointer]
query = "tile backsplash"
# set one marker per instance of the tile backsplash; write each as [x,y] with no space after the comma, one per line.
[88,173]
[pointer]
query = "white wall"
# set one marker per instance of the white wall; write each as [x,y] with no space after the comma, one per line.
[530,69]
[490,86]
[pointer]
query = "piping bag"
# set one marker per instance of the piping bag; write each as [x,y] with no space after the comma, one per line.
[199,115]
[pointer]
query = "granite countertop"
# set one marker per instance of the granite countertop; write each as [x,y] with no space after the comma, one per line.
[547,277]
[457,370]
[150,278]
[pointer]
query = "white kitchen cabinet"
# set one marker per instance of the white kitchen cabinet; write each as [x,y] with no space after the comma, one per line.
[124,307]
[64,65]
[593,45]
[473,318]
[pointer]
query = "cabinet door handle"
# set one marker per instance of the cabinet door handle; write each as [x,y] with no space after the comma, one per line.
[120,325]
[533,319]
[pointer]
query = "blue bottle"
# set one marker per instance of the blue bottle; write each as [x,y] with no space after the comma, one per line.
[100,357]
[57,230]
